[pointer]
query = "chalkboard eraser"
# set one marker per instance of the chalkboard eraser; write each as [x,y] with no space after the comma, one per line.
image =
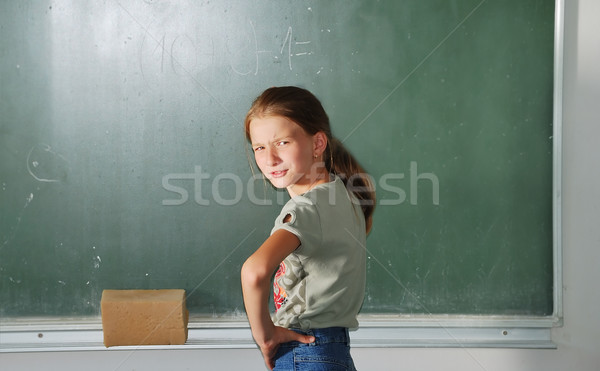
[144,317]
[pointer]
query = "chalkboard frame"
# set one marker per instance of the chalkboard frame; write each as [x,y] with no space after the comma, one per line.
[60,334]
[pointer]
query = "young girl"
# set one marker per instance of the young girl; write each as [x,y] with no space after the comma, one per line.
[317,244]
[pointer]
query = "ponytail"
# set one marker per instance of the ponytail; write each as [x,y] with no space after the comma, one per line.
[341,163]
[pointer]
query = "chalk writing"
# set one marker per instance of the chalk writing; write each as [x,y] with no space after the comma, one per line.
[184,54]
[288,40]
[178,51]
[46,165]
[287,50]
[254,50]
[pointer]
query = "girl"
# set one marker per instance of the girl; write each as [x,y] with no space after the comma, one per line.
[317,244]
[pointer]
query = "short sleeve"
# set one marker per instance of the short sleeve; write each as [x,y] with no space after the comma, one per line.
[303,221]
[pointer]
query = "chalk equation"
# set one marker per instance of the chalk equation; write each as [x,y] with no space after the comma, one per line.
[289,49]
[182,53]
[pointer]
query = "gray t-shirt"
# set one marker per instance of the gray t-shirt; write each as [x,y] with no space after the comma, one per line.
[322,283]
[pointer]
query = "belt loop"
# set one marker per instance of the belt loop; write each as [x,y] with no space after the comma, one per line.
[310,332]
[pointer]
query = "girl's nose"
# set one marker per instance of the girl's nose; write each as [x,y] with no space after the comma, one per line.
[272,157]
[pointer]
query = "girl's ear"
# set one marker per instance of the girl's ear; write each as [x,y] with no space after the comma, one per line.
[319,143]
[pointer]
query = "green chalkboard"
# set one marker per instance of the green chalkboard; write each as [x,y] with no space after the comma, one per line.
[123,162]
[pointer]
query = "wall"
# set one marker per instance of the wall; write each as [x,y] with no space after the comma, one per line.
[577,340]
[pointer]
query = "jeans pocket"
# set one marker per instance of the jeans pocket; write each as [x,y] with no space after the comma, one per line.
[323,357]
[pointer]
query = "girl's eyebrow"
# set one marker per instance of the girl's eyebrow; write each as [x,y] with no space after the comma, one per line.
[275,140]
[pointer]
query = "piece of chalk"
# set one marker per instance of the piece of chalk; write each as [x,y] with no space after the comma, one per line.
[144,317]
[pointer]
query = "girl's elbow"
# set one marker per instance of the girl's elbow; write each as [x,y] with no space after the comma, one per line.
[253,274]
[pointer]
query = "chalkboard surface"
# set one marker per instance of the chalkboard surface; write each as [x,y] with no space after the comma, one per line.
[124,165]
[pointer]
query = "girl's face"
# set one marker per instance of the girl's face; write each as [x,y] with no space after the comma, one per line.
[285,153]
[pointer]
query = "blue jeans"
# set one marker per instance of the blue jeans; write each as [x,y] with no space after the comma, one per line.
[329,352]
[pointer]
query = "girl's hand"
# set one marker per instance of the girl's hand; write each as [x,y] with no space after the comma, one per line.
[281,335]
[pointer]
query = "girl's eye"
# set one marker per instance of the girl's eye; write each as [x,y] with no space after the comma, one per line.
[282,143]
[257,149]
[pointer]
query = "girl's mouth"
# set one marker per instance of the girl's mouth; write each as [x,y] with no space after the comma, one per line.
[278,174]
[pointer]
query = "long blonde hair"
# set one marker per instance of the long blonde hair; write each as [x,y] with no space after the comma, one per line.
[303,108]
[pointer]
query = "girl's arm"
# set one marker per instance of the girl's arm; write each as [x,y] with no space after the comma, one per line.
[256,282]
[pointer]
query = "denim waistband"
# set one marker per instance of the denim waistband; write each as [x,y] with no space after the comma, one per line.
[327,335]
